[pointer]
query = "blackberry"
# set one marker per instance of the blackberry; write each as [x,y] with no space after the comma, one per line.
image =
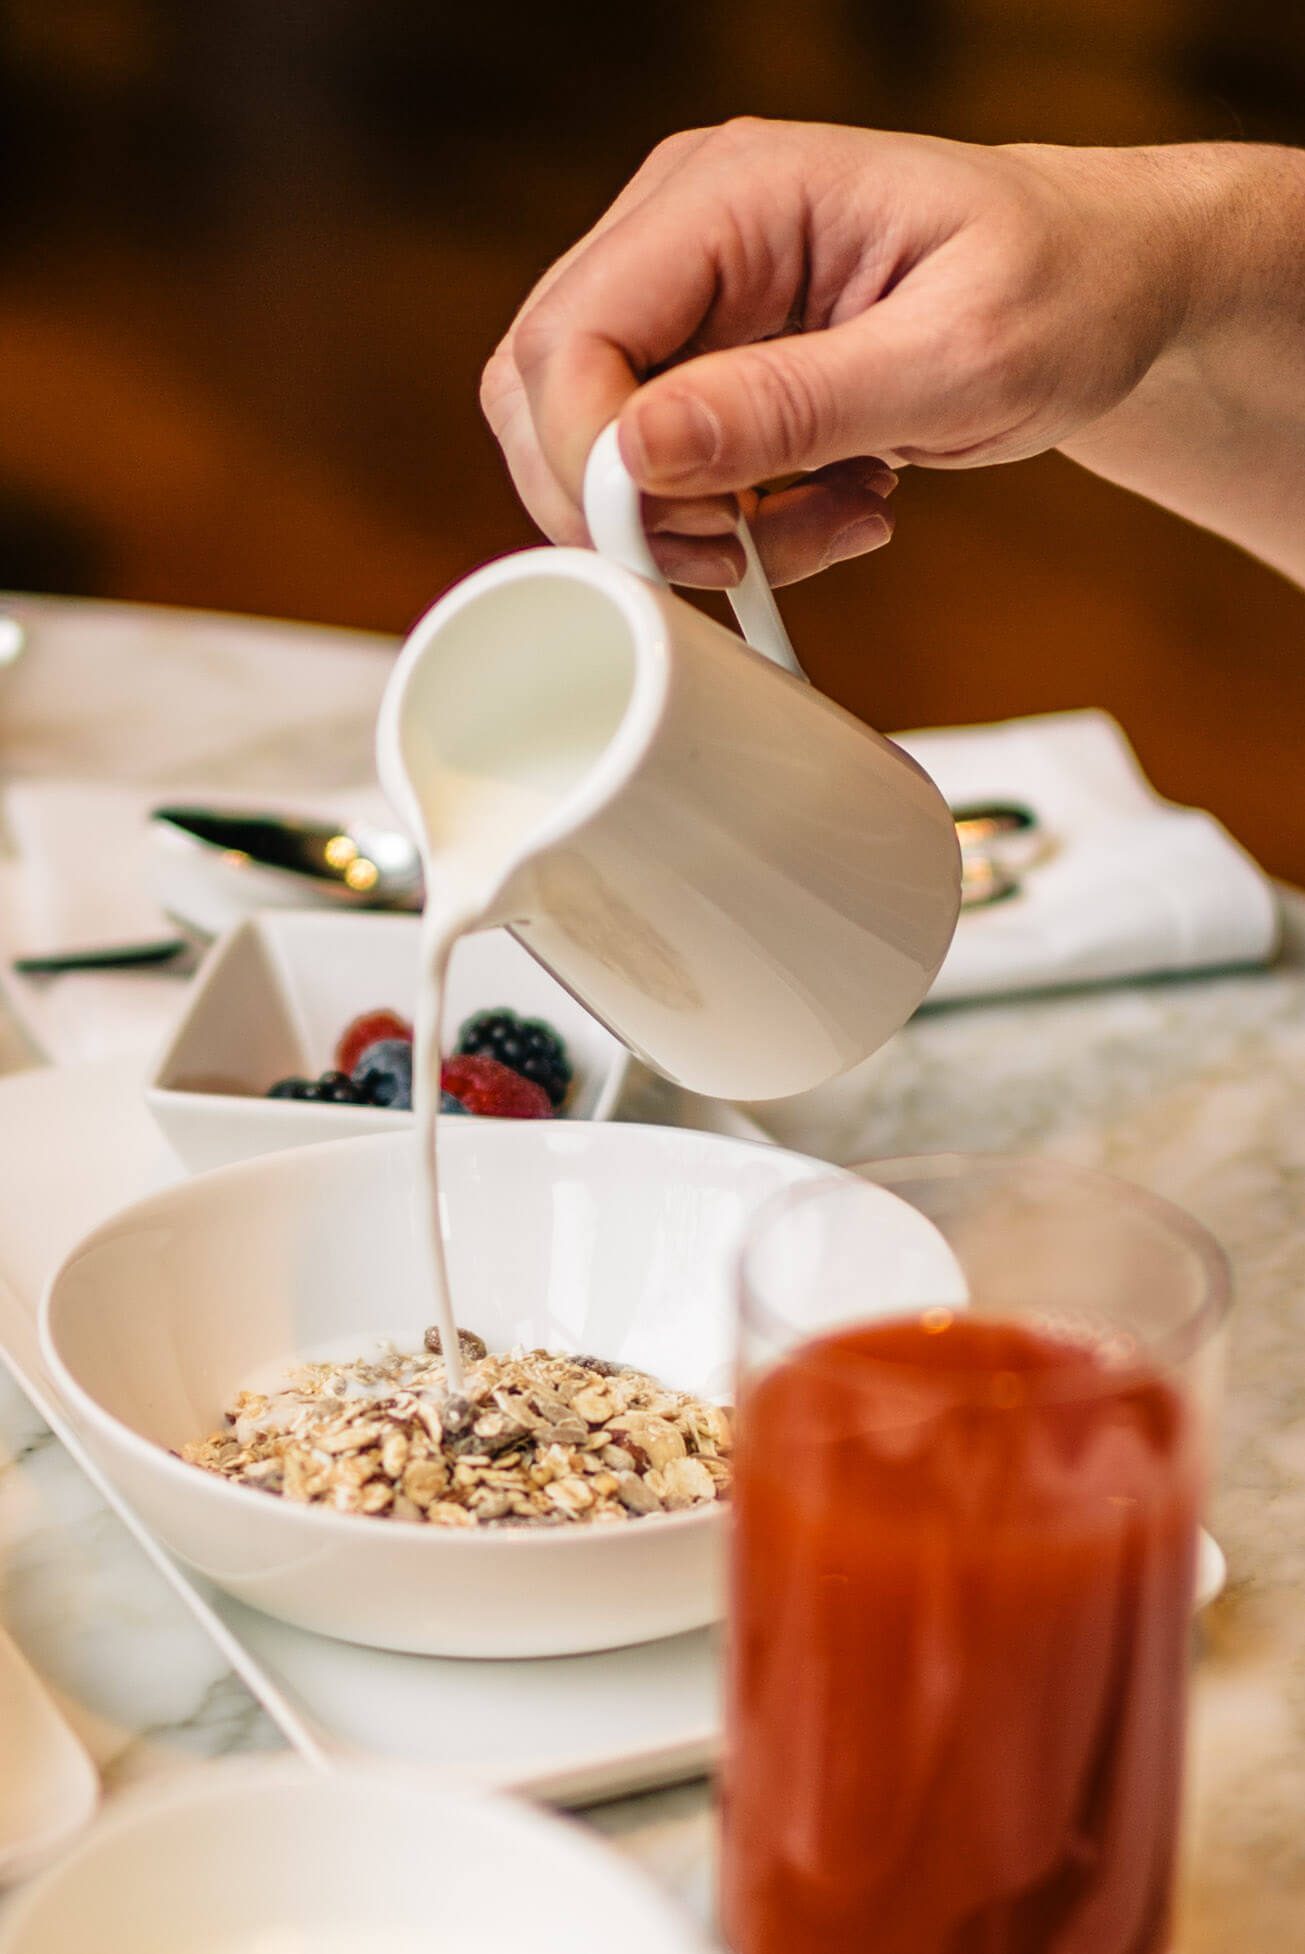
[332,1089]
[339,1089]
[287,1089]
[525,1045]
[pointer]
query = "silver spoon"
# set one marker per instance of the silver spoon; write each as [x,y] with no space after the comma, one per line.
[360,865]
[998,840]
[176,954]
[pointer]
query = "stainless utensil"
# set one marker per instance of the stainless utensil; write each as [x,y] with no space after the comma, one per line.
[177,954]
[999,839]
[12,639]
[358,865]
[984,881]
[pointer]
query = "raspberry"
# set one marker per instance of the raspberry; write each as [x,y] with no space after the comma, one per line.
[367,1030]
[484,1086]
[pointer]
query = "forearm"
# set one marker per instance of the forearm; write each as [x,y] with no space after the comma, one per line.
[1215,430]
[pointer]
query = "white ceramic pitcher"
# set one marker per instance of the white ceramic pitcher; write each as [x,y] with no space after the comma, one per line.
[746,884]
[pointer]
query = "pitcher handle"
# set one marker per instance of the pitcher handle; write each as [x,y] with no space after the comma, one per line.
[615,519]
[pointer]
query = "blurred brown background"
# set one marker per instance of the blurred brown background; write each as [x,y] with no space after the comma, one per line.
[253,254]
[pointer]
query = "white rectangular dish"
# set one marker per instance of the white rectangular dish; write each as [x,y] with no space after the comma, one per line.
[75,1145]
[274,995]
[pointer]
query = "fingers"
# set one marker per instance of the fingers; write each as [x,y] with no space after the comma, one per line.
[504,405]
[694,542]
[731,418]
[695,278]
[839,513]
[823,519]
[715,252]
[698,564]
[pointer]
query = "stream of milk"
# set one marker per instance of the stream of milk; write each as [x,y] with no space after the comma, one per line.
[474,829]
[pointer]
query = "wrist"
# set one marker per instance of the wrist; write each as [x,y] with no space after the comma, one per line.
[1236,216]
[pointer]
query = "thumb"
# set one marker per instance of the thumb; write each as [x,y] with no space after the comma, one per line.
[728,420]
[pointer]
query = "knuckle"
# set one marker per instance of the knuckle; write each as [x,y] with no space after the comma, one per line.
[534,339]
[671,147]
[566,526]
[498,385]
[739,132]
[790,404]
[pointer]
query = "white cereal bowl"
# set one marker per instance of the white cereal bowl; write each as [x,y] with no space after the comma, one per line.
[271,1856]
[614,1240]
[273,996]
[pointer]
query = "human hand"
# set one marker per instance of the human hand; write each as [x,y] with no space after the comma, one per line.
[767,298]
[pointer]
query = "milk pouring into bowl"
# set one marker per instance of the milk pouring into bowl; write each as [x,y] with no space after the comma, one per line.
[747,885]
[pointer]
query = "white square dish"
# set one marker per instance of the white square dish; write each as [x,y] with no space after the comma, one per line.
[273,996]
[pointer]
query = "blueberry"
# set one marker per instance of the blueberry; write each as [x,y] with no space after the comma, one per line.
[383,1074]
[287,1089]
[448,1104]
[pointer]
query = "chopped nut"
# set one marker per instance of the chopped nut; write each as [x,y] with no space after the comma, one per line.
[655,1437]
[456,1417]
[635,1495]
[603,1366]
[473,1348]
[686,1482]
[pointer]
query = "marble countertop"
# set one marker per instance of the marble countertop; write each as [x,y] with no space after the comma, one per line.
[1194,1088]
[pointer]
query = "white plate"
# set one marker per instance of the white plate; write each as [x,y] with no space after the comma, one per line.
[274,995]
[75,1145]
[48,1788]
[368,1859]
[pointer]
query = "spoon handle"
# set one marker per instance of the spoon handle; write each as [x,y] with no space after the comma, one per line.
[176,951]
[613,511]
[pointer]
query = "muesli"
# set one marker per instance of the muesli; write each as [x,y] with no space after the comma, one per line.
[533,1439]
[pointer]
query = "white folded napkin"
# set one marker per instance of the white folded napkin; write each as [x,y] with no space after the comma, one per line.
[78,870]
[111,709]
[74,875]
[1130,886]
